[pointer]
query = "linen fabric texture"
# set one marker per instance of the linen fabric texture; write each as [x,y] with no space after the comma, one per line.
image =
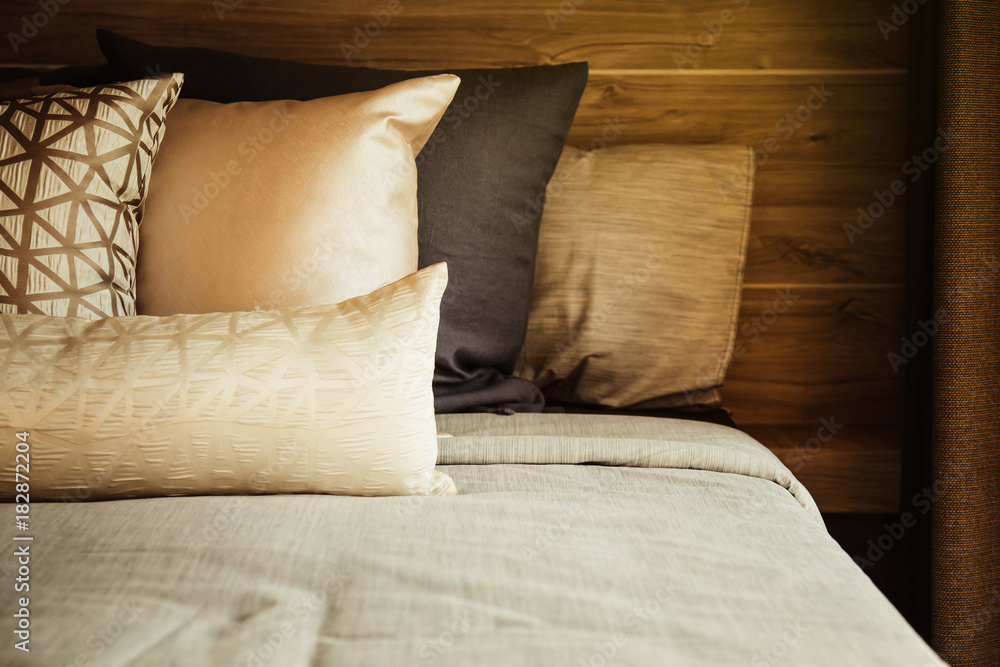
[687,544]
[639,276]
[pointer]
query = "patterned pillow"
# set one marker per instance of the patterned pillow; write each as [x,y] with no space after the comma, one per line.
[321,399]
[74,167]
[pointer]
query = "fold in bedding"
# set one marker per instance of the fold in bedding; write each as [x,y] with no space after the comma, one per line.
[613,441]
[574,540]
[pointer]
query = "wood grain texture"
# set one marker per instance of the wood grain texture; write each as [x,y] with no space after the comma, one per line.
[797,234]
[826,118]
[658,75]
[690,34]
[808,244]
[809,351]
[856,470]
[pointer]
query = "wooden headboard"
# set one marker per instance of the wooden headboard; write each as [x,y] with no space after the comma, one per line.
[817,87]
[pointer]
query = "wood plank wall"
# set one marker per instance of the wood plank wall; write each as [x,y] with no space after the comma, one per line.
[657,67]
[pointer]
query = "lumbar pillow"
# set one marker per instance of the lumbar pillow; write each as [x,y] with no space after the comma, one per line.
[640,269]
[482,187]
[261,205]
[322,399]
[74,168]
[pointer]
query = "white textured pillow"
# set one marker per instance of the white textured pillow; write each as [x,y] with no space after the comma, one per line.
[326,399]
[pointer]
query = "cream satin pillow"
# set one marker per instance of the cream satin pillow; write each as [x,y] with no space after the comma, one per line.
[286,203]
[639,275]
[323,399]
[75,164]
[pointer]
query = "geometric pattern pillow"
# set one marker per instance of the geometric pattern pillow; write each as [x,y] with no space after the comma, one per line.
[74,168]
[315,399]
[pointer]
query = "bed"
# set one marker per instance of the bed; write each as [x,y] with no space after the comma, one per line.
[402,372]
[573,540]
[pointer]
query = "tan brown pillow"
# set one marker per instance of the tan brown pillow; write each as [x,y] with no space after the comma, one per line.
[74,167]
[639,274]
[324,399]
[285,203]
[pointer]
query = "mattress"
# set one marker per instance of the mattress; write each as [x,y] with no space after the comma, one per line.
[573,540]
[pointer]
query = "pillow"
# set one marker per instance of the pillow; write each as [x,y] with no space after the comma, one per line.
[318,399]
[482,186]
[640,268]
[18,82]
[275,204]
[74,168]
[12,89]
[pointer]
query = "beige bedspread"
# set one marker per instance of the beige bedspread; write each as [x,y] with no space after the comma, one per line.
[574,540]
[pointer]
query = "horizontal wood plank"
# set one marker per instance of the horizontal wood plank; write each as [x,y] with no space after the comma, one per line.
[808,244]
[835,118]
[846,468]
[805,352]
[793,184]
[807,227]
[714,34]
[825,356]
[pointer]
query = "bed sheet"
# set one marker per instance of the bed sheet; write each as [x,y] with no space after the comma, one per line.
[574,540]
